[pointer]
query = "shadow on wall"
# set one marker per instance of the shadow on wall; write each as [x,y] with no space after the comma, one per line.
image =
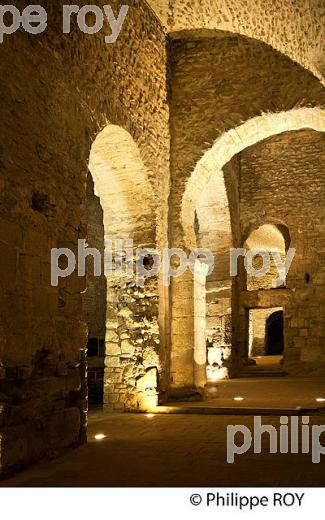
[95,297]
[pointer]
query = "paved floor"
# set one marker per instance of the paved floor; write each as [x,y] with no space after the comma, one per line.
[276,393]
[165,450]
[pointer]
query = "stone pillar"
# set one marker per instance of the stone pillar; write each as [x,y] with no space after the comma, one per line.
[132,346]
[188,338]
[200,349]
[182,332]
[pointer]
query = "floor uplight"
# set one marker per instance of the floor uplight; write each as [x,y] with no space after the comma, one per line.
[100,437]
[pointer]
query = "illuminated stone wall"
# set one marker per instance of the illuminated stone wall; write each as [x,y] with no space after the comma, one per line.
[132,330]
[293,28]
[288,171]
[58,92]
[218,84]
[60,95]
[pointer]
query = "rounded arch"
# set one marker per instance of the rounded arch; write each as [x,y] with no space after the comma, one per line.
[132,335]
[293,28]
[272,234]
[269,238]
[233,142]
[122,184]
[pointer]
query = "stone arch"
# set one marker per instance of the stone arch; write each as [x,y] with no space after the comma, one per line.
[281,227]
[234,141]
[216,84]
[266,237]
[270,237]
[132,331]
[293,28]
[293,166]
[122,183]
[213,167]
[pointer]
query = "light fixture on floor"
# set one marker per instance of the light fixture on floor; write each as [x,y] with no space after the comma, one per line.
[150,415]
[100,437]
[217,375]
[238,399]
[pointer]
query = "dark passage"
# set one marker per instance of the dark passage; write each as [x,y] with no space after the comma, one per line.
[95,358]
[274,339]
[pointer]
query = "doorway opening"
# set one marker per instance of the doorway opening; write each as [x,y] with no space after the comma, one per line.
[274,335]
[266,337]
[95,360]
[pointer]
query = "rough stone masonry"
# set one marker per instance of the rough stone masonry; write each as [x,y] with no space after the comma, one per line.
[138,116]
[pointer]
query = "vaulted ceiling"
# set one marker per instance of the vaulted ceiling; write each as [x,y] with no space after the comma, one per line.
[295,28]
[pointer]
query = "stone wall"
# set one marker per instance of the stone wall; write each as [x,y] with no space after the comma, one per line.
[94,299]
[213,83]
[293,28]
[267,281]
[215,234]
[217,84]
[282,181]
[58,92]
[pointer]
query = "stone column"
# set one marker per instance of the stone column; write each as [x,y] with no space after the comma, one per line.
[200,349]
[188,341]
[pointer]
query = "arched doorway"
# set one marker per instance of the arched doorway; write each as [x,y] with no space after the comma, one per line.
[131,331]
[260,293]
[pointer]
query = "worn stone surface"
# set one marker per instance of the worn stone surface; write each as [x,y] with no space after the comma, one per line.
[296,29]
[141,115]
[217,84]
[278,185]
[58,92]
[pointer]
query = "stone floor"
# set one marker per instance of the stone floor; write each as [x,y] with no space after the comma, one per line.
[283,394]
[182,449]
